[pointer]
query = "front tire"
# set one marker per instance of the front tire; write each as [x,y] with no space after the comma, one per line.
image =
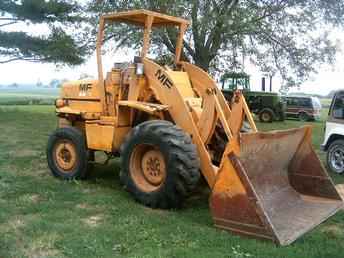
[159,164]
[67,154]
[266,115]
[335,156]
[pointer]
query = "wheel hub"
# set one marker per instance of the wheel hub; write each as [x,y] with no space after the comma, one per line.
[147,167]
[153,167]
[65,155]
[338,159]
[266,116]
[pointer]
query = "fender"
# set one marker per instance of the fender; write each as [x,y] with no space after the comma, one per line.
[150,108]
[332,130]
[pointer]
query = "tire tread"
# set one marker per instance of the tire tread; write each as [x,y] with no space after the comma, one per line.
[182,163]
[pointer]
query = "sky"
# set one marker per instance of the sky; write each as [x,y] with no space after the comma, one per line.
[23,72]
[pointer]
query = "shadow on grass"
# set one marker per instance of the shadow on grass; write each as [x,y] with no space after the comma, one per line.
[107,176]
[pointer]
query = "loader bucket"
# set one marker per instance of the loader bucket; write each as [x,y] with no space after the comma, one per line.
[273,186]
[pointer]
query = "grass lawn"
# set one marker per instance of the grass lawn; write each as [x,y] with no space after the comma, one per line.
[41,216]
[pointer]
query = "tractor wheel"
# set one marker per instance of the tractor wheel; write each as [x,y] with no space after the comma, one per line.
[159,164]
[266,115]
[67,154]
[303,117]
[335,157]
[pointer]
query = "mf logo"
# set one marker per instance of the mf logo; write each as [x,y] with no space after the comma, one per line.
[84,89]
[163,79]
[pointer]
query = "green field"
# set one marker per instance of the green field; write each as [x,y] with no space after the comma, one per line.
[28,96]
[325,102]
[41,216]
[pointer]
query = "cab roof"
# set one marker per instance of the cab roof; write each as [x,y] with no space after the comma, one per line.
[138,17]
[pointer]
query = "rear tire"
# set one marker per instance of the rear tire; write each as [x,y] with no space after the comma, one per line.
[266,115]
[67,154]
[335,156]
[159,164]
[303,117]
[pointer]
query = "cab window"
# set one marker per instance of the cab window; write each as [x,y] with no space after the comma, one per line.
[235,83]
[228,84]
[338,107]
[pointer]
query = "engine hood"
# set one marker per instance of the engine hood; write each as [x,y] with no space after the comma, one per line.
[81,89]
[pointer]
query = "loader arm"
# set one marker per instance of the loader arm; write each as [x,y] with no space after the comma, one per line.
[176,89]
[163,86]
[267,185]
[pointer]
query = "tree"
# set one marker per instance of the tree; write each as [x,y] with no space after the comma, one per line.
[63,45]
[14,85]
[39,84]
[54,83]
[331,94]
[289,37]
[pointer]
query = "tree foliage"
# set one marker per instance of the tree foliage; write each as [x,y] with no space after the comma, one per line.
[288,37]
[64,44]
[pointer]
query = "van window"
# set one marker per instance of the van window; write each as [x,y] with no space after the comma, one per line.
[338,107]
[299,102]
[305,102]
[292,101]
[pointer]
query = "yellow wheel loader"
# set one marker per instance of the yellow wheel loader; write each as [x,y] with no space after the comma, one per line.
[172,125]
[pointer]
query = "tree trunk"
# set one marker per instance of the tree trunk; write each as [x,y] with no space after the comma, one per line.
[202,60]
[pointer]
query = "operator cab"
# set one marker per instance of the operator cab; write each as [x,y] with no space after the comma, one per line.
[147,20]
[235,81]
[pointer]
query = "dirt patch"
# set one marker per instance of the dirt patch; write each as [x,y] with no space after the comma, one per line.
[35,198]
[88,190]
[11,141]
[333,230]
[3,186]
[156,211]
[36,172]
[30,198]
[83,206]
[94,220]
[22,153]
[16,224]
[13,225]
[42,247]
[42,253]
[41,173]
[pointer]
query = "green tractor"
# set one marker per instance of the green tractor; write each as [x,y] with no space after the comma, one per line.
[269,106]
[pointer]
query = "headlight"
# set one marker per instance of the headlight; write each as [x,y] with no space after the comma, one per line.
[59,103]
[139,69]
